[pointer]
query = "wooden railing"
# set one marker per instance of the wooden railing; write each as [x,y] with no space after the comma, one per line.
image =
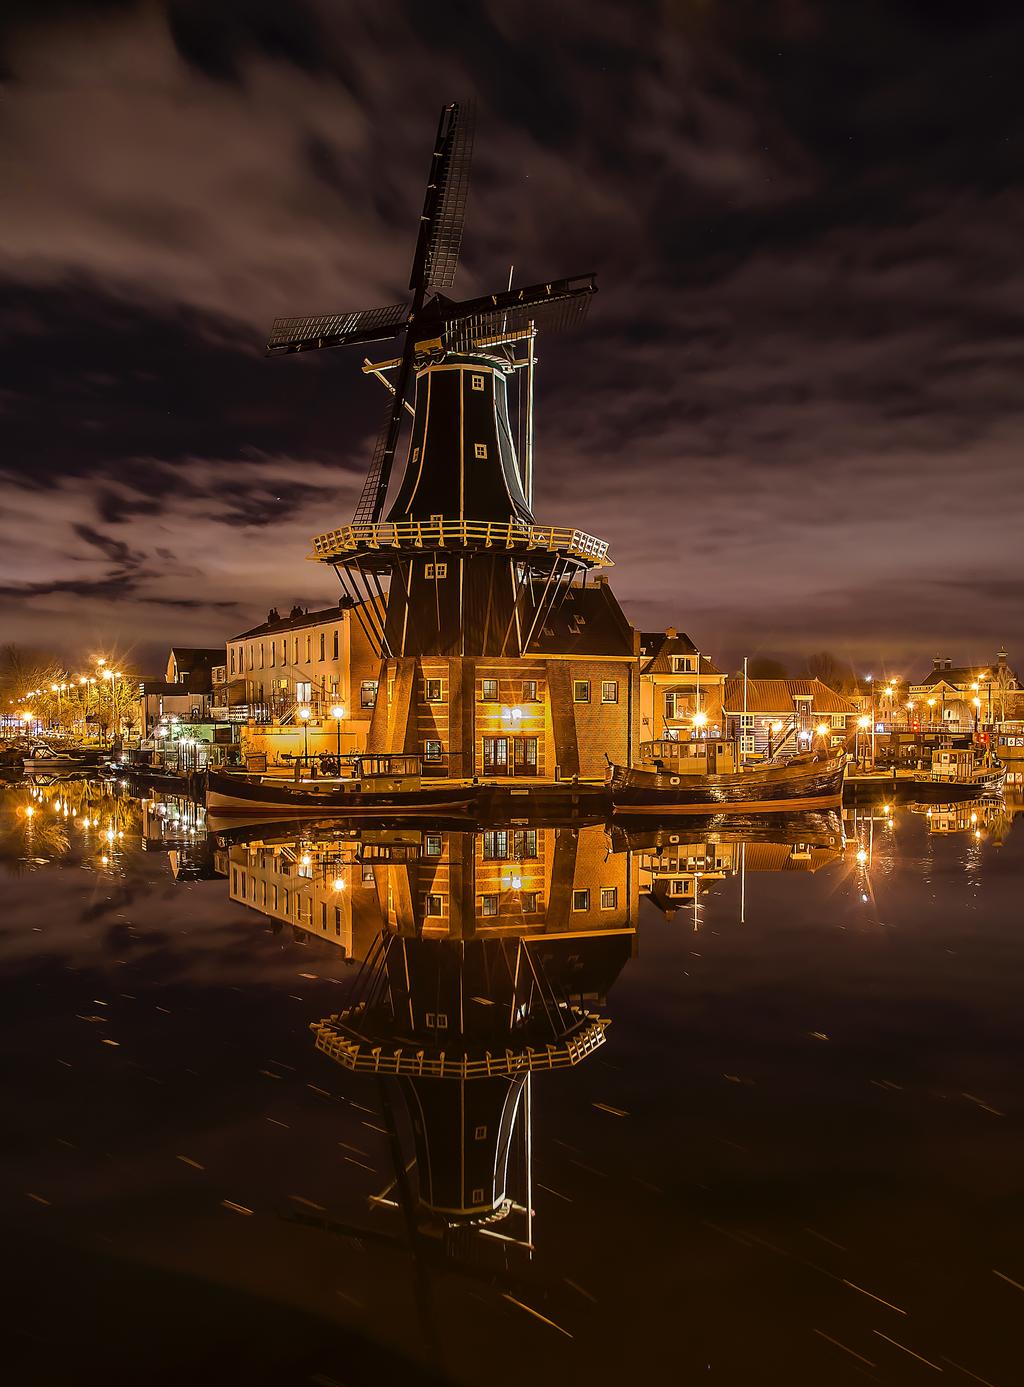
[459,534]
[374,1059]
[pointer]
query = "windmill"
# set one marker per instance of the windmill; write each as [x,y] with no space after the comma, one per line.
[470,571]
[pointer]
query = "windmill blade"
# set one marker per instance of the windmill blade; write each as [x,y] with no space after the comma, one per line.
[336,329]
[449,215]
[555,307]
[444,204]
[383,454]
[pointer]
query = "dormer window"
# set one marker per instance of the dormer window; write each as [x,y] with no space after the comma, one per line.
[682,664]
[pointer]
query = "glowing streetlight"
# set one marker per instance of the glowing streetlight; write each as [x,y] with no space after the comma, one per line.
[774,729]
[304,713]
[337,884]
[337,713]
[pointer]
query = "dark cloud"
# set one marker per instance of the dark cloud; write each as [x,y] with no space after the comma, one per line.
[795,412]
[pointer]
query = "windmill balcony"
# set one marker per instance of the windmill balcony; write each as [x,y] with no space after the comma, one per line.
[458,535]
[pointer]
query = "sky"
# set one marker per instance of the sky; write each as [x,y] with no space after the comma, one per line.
[795,410]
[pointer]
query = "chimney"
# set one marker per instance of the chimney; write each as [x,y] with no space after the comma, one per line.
[948,664]
[936,662]
[671,632]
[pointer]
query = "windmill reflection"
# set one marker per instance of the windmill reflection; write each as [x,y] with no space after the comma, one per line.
[488,956]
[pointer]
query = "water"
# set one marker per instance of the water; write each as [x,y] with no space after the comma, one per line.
[795,1158]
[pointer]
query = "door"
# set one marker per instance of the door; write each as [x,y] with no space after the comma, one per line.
[496,756]
[525,755]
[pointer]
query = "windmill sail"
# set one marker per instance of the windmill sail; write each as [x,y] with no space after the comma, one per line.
[336,329]
[444,235]
[553,307]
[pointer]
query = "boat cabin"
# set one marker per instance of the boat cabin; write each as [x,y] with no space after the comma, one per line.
[952,763]
[698,756]
[382,773]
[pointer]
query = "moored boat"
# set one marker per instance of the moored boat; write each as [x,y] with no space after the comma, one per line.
[43,757]
[380,785]
[959,773]
[704,775]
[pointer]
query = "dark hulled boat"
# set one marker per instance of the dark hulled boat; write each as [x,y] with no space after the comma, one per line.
[381,785]
[703,775]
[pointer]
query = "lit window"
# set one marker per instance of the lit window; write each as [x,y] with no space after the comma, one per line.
[477,382]
[529,691]
[434,905]
[609,691]
[488,905]
[489,690]
[581,690]
[480,450]
[432,751]
[609,897]
[415,454]
[495,844]
[437,570]
[524,843]
[581,900]
[528,902]
[433,690]
[323,645]
[368,693]
[432,845]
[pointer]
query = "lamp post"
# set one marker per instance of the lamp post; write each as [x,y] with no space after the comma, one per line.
[863,723]
[977,709]
[699,722]
[822,730]
[931,712]
[337,713]
[304,715]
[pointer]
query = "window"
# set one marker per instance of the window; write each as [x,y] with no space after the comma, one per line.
[295,650]
[479,1133]
[437,1021]
[437,570]
[489,690]
[303,690]
[309,649]
[261,654]
[524,843]
[273,654]
[432,690]
[434,905]
[682,664]
[232,661]
[432,845]
[368,693]
[528,902]
[415,454]
[609,897]
[335,645]
[495,844]
[671,705]
[477,382]
[581,690]
[480,450]
[323,645]
[391,691]
[609,691]
[488,905]
[581,900]
[431,751]
[529,691]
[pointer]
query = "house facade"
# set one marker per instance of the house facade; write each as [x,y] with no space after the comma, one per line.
[304,663]
[773,716]
[680,688]
[966,695]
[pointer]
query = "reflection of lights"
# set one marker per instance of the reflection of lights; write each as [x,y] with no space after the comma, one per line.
[306,859]
[104,861]
[29,811]
[337,884]
[862,855]
[863,897]
[977,833]
[864,721]
[700,719]
[974,818]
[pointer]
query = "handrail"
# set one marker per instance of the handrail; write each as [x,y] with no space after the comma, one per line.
[367,1058]
[463,534]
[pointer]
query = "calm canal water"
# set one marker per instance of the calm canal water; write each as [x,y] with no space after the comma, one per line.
[796,1157]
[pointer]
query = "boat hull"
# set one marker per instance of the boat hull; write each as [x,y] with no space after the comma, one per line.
[763,790]
[238,794]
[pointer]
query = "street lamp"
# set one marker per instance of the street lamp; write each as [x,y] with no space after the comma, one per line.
[863,723]
[304,715]
[699,721]
[822,730]
[931,712]
[337,713]
[773,729]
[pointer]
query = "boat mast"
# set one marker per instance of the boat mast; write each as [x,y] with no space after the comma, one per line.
[743,720]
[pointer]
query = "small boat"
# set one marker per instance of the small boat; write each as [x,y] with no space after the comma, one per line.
[381,785]
[957,774]
[43,757]
[707,774]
